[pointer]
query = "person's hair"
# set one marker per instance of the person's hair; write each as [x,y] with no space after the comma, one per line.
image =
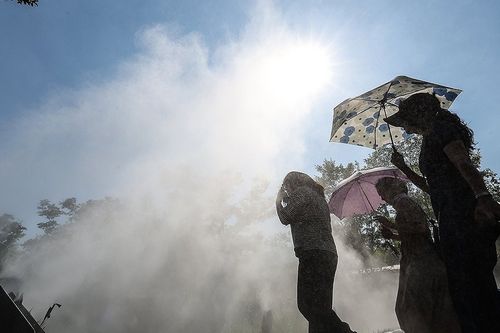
[421,102]
[466,134]
[390,182]
[295,179]
[428,106]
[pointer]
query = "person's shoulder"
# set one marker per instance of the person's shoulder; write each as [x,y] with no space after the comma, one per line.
[303,189]
[440,125]
[407,201]
[409,207]
[307,193]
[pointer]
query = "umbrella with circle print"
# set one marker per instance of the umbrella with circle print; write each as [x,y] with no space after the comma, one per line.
[360,120]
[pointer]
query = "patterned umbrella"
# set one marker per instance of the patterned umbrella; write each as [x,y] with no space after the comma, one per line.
[360,120]
[357,194]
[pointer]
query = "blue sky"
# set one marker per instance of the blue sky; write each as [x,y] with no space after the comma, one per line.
[56,55]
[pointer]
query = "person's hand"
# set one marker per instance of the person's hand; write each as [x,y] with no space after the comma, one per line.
[387,233]
[487,211]
[383,220]
[397,159]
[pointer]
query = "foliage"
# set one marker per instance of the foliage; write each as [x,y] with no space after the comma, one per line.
[411,150]
[332,173]
[490,177]
[52,212]
[361,232]
[69,206]
[28,2]
[67,212]
[11,230]
[219,229]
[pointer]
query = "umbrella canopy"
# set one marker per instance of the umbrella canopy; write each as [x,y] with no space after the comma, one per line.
[360,120]
[357,194]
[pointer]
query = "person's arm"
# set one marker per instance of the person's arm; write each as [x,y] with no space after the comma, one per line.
[413,216]
[389,234]
[459,157]
[486,208]
[388,228]
[280,202]
[398,160]
[292,206]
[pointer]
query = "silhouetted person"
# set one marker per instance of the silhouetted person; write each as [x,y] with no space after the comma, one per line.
[301,204]
[466,212]
[423,304]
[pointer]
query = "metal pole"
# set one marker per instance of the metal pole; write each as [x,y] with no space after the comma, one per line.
[385,113]
[366,197]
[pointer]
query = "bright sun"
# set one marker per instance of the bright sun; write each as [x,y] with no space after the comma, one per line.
[301,69]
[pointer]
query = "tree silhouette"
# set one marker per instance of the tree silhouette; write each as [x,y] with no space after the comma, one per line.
[361,232]
[28,2]
[11,230]
[50,211]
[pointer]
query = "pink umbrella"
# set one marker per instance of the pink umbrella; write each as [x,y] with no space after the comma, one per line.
[357,194]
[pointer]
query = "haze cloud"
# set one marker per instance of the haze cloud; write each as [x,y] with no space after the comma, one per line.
[189,139]
[176,103]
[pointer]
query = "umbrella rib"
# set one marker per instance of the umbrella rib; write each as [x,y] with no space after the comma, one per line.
[392,104]
[368,108]
[366,181]
[349,188]
[375,88]
[416,91]
[371,100]
[345,185]
[345,120]
[366,197]
[365,99]
[385,95]
[418,85]
[431,86]
[354,190]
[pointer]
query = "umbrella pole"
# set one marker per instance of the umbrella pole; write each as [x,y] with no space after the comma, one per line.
[384,100]
[366,197]
[389,127]
[391,246]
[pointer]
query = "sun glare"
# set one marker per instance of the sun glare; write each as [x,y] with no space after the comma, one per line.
[301,69]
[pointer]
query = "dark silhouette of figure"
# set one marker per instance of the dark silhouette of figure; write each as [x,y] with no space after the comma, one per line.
[301,204]
[466,212]
[423,304]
